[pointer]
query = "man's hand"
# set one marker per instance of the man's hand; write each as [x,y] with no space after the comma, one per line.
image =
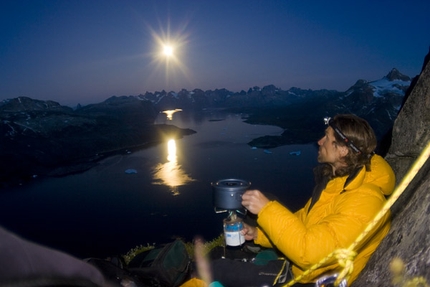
[254,201]
[249,232]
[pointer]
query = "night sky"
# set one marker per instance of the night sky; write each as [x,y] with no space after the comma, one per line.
[87,51]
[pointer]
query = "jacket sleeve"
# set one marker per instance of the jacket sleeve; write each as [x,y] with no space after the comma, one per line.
[304,243]
[264,241]
[301,213]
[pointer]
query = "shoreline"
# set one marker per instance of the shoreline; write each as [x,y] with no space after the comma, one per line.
[24,169]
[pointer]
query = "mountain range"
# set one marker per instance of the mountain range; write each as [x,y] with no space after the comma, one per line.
[46,138]
[298,111]
[391,87]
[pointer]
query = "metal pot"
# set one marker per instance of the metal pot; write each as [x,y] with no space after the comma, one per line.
[227,193]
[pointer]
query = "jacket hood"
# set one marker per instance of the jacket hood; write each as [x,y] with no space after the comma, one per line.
[381,174]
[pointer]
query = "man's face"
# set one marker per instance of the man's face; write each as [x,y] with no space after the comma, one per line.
[329,152]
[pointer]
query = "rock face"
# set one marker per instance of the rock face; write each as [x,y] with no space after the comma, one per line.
[409,237]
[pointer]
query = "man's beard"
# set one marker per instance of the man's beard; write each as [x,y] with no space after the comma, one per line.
[320,157]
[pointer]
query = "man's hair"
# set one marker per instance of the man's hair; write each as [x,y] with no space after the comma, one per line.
[360,133]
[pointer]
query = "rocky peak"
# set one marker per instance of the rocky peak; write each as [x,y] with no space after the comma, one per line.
[394,74]
[359,84]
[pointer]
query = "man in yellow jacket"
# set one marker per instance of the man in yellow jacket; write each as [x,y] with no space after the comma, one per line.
[351,185]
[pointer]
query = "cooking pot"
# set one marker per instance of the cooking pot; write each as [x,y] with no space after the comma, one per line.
[227,193]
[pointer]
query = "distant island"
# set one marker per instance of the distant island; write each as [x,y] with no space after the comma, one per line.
[46,139]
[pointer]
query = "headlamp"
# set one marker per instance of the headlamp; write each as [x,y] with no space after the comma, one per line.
[328,121]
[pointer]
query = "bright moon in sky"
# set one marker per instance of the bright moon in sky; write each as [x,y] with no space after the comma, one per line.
[168,50]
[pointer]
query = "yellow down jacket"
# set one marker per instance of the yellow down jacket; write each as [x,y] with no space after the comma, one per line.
[335,221]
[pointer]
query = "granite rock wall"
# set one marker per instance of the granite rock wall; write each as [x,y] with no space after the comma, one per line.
[409,237]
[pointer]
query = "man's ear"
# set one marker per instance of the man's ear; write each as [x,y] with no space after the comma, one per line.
[343,150]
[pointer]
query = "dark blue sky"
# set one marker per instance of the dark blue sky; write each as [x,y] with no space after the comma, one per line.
[86,51]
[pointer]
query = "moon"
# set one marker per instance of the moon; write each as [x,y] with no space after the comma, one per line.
[168,50]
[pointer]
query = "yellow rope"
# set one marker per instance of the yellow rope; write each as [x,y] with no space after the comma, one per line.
[282,269]
[346,257]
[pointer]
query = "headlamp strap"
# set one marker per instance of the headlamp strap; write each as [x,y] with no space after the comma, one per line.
[348,142]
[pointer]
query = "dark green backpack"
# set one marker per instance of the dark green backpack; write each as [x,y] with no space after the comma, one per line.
[166,265]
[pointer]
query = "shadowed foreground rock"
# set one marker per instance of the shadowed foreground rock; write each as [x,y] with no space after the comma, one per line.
[409,237]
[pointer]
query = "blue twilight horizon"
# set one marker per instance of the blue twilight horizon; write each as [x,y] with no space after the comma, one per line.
[86,51]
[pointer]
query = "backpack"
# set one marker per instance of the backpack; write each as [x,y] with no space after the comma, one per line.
[249,268]
[166,265]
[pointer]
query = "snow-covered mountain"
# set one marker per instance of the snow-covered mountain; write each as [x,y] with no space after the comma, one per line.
[377,101]
[393,84]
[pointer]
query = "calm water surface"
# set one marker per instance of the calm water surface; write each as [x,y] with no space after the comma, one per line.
[107,211]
